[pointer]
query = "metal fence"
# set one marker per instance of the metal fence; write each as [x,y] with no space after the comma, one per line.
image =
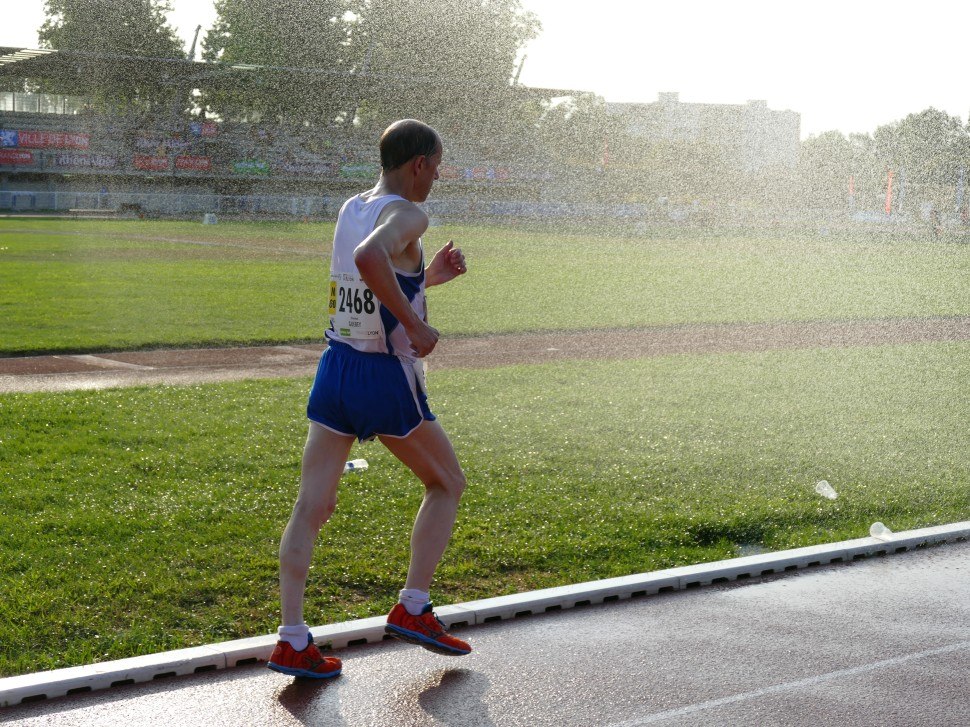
[175,204]
[184,204]
[633,217]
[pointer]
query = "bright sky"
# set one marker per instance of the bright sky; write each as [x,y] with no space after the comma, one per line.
[846,65]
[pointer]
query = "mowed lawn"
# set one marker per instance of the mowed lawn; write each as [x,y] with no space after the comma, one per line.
[136,520]
[87,285]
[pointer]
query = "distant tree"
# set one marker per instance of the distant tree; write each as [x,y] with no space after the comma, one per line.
[307,44]
[829,161]
[825,165]
[929,148]
[451,62]
[573,130]
[112,30]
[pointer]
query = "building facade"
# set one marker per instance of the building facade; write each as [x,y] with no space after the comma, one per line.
[752,133]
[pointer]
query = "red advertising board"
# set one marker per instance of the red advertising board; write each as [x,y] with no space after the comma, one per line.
[54,140]
[16,156]
[193,164]
[150,164]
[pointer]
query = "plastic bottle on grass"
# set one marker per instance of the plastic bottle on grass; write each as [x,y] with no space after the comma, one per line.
[355,464]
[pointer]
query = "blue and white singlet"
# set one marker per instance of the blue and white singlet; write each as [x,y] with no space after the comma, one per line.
[357,318]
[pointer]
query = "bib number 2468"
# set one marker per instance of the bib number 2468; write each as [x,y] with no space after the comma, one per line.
[350,300]
[353,308]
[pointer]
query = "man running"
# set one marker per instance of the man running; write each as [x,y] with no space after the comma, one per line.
[370,383]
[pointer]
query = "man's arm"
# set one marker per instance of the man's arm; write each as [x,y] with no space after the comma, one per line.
[397,227]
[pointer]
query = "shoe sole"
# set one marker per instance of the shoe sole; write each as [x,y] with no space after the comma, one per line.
[291,671]
[413,637]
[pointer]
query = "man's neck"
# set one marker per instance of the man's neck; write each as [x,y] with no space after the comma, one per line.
[392,184]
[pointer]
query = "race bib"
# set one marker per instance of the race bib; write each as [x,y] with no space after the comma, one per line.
[354,311]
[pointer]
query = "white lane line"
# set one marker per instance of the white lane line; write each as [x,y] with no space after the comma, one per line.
[106,363]
[700,706]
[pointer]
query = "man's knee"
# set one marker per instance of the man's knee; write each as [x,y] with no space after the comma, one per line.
[453,483]
[314,514]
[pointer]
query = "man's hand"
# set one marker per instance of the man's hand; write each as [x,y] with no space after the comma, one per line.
[423,337]
[447,264]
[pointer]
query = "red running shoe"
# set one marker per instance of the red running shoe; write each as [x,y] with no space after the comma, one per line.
[424,630]
[307,663]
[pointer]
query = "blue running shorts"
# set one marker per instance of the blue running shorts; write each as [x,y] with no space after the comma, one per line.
[366,394]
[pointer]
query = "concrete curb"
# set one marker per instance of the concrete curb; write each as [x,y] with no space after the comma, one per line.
[75,680]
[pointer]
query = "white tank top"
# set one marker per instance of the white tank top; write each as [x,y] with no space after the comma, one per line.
[357,318]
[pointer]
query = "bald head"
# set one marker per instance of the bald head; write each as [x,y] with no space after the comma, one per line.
[405,139]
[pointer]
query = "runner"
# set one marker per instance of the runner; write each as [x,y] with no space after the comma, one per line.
[370,383]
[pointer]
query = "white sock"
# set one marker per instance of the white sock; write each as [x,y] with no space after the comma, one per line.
[296,636]
[414,600]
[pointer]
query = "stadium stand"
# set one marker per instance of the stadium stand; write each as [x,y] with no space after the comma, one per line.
[58,153]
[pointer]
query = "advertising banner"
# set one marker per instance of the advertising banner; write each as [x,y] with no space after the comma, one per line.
[9,137]
[193,164]
[251,166]
[147,143]
[160,144]
[16,156]
[90,161]
[53,140]
[150,164]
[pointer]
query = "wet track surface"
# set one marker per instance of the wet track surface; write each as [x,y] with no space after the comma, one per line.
[194,366]
[881,641]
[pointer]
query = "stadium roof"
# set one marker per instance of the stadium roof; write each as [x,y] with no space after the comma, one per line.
[69,66]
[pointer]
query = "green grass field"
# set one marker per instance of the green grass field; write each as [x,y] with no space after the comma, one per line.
[72,286]
[136,520]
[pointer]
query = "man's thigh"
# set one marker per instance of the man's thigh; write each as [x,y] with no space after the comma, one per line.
[428,452]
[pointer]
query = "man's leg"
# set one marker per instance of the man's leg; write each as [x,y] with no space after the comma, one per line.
[428,453]
[324,457]
[323,462]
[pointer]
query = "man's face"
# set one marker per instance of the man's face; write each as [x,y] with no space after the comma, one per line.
[427,174]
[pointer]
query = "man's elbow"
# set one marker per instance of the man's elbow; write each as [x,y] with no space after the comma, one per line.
[366,257]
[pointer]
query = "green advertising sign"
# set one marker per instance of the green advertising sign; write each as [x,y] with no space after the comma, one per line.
[252,166]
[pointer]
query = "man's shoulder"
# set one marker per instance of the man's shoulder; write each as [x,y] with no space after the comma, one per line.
[403,206]
[404,212]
